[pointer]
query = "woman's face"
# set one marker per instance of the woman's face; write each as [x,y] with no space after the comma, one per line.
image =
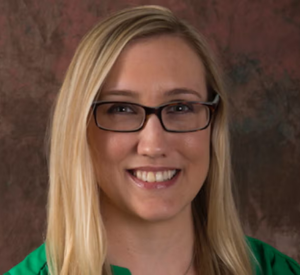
[146,72]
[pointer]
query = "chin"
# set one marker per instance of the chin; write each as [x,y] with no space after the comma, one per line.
[160,212]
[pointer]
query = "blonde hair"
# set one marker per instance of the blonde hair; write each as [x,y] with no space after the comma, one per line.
[76,242]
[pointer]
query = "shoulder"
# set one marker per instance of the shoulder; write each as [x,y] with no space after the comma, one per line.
[34,264]
[268,260]
[271,261]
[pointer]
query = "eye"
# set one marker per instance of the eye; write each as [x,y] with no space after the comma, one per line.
[180,108]
[121,108]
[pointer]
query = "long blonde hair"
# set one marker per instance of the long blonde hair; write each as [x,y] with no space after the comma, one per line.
[76,242]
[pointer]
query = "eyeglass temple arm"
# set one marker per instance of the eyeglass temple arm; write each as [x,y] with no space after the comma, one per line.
[216,99]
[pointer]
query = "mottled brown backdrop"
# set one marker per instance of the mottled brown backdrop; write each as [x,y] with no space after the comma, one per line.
[258,43]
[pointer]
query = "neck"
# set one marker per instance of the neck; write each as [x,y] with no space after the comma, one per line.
[150,247]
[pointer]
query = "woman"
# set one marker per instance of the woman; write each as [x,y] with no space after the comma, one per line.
[139,165]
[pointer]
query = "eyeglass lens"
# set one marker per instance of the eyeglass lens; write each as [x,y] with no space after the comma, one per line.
[183,116]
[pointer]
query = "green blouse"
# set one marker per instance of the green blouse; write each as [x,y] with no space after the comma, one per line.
[272,262]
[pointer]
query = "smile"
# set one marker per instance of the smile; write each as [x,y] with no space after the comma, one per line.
[154,179]
[151,176]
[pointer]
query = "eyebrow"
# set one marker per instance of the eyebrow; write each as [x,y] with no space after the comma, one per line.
[132,94]
[182,91]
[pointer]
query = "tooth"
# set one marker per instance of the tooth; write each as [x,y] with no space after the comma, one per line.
[173,173]
[151,177]
[159,176]
[165,175]
[138,174]
[144,176]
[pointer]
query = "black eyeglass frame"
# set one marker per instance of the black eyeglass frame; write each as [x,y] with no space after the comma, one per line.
[157,111]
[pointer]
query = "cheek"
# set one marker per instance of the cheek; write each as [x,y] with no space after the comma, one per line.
[110,151]
[111,148]
[197,147]
[197,154]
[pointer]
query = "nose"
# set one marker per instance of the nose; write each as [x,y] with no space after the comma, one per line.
[153,141]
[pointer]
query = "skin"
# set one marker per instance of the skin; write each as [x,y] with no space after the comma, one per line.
[140,222]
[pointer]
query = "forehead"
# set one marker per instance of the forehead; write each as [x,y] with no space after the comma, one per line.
[157,64]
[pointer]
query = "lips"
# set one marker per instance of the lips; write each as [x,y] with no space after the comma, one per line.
[154,178]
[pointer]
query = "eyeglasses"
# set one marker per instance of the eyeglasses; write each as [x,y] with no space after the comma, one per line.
[177,116]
